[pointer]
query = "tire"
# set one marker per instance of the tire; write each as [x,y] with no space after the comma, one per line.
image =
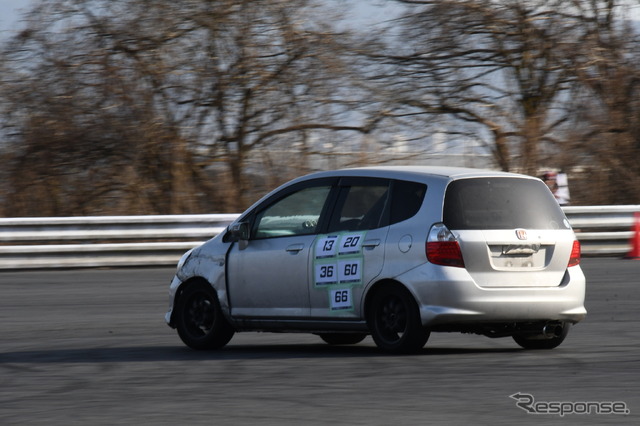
[394,320]
[199,319]
[342,338]
[540,341]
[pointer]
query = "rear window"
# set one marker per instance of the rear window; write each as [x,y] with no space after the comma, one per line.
[501,203]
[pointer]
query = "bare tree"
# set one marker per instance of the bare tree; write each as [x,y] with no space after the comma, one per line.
[131,106]
[605,104]
[89,135]
[494,66]
[153,96]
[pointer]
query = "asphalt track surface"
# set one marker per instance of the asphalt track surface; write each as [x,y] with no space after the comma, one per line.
[89,347]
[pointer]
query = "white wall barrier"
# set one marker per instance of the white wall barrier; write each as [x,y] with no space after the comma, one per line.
[111,241]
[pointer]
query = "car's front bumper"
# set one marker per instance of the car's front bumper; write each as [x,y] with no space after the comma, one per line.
[175,283]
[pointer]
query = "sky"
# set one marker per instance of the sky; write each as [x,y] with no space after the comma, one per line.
[10,12]
[10,16]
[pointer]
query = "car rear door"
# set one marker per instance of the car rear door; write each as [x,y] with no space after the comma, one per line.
[350,253]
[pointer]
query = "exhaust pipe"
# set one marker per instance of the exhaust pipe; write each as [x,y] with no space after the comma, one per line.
[551,330]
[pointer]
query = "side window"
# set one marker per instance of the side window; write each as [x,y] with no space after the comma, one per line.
[295,214]
[406,199]
[360,207]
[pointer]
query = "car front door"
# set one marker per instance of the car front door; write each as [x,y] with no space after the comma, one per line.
[268,276]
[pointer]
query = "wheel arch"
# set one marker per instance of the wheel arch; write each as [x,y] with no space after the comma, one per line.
[197,280]
[393,318]
[376,287]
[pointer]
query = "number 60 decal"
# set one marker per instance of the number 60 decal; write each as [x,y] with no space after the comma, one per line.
[350,271]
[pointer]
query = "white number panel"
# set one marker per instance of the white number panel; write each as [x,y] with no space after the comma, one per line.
[327,246]
[326,273]
[350,271]
[351,243]
[340,299]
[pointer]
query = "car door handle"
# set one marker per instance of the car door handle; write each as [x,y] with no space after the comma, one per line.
[371,243]
[295,248]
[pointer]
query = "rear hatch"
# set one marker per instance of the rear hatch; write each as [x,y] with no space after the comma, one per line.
[511,231]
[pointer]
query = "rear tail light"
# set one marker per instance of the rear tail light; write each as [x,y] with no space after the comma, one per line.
[574,259]
[443,248]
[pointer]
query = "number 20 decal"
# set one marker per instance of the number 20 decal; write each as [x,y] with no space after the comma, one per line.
[351,243]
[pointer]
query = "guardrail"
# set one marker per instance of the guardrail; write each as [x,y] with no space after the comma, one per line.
[97,241]
[111,241]
[603,230]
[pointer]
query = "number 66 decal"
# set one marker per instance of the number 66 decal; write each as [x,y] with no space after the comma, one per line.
[340,299]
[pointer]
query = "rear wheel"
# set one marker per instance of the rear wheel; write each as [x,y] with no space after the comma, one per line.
[199,318]
[342,338]
[541,341]
[394,320]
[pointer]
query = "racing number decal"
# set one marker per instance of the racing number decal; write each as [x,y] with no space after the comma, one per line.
[326,246]
[340,299]
[349,271]
[338,264]
[347,244]
[338,259]
[326,273]
[350,244]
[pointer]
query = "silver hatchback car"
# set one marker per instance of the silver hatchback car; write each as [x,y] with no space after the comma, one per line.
[394,252]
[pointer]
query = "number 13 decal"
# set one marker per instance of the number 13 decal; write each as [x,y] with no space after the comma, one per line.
[326,246]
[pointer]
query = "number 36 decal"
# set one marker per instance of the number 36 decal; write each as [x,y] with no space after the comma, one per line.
[326,273]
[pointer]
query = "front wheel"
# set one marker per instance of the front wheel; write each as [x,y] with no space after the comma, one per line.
[199,318]
[541,341]
[394,320]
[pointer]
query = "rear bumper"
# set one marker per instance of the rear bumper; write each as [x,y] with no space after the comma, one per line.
[449,296]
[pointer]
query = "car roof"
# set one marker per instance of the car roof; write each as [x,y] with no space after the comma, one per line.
[416,172]
[444,174]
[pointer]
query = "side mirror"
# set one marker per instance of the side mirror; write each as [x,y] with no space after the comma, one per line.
[238,232]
